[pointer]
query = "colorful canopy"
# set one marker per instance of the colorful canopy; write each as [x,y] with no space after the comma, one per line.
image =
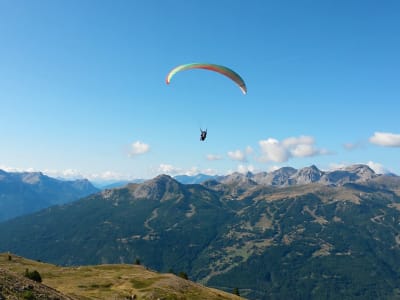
[212,67]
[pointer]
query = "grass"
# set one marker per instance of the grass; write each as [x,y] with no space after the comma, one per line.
[112,281]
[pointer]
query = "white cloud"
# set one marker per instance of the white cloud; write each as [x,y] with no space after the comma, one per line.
[209,171]
[240,155]
[173,171]
[108,175]
[138,148]
[237,155]
[192,171]
[301,140]
[304,150]
[65,174]
[12,169]
[273,150]
[244,169]
[385,139]
[72,174]
[377,167]
[337,166]
[282,151]
[273,168]
[169,169]
[213,157]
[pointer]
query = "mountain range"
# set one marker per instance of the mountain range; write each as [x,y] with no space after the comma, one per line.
[288,176]
[22,193]
[26,192]
[287,234]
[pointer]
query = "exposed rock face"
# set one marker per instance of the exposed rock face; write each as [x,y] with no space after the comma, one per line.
[363,172]
[279,177]
[238,178]
[306,175]
[288,176]
[351,174]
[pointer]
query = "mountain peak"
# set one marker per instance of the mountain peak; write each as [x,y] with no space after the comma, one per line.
[238,179]
[306,175]
[163,178]
[314,167]
[161,188]
[360,168]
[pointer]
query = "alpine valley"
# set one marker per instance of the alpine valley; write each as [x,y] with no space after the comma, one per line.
[287,234]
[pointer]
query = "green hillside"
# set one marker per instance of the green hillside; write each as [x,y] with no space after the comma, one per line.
[103,282]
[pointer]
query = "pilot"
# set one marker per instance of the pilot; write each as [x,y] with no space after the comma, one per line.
[203,134]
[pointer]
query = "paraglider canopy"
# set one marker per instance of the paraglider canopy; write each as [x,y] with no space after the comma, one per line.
[212,67]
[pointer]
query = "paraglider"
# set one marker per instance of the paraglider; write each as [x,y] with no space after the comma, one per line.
[203,134]
[235,77]
[212,67]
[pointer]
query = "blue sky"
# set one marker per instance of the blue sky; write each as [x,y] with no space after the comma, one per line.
[83,93]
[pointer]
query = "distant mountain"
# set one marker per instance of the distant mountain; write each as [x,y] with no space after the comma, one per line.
[356,173]
[288,176]
[285,176]
[115,184]
[331,238]
[233,185]
[306,175]
[199,178]
[278,177]
[27,192]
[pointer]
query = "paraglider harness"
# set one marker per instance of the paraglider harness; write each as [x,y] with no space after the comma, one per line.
[203,134]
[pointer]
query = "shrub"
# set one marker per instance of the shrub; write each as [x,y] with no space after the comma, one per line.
[183,275]
[34,275]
